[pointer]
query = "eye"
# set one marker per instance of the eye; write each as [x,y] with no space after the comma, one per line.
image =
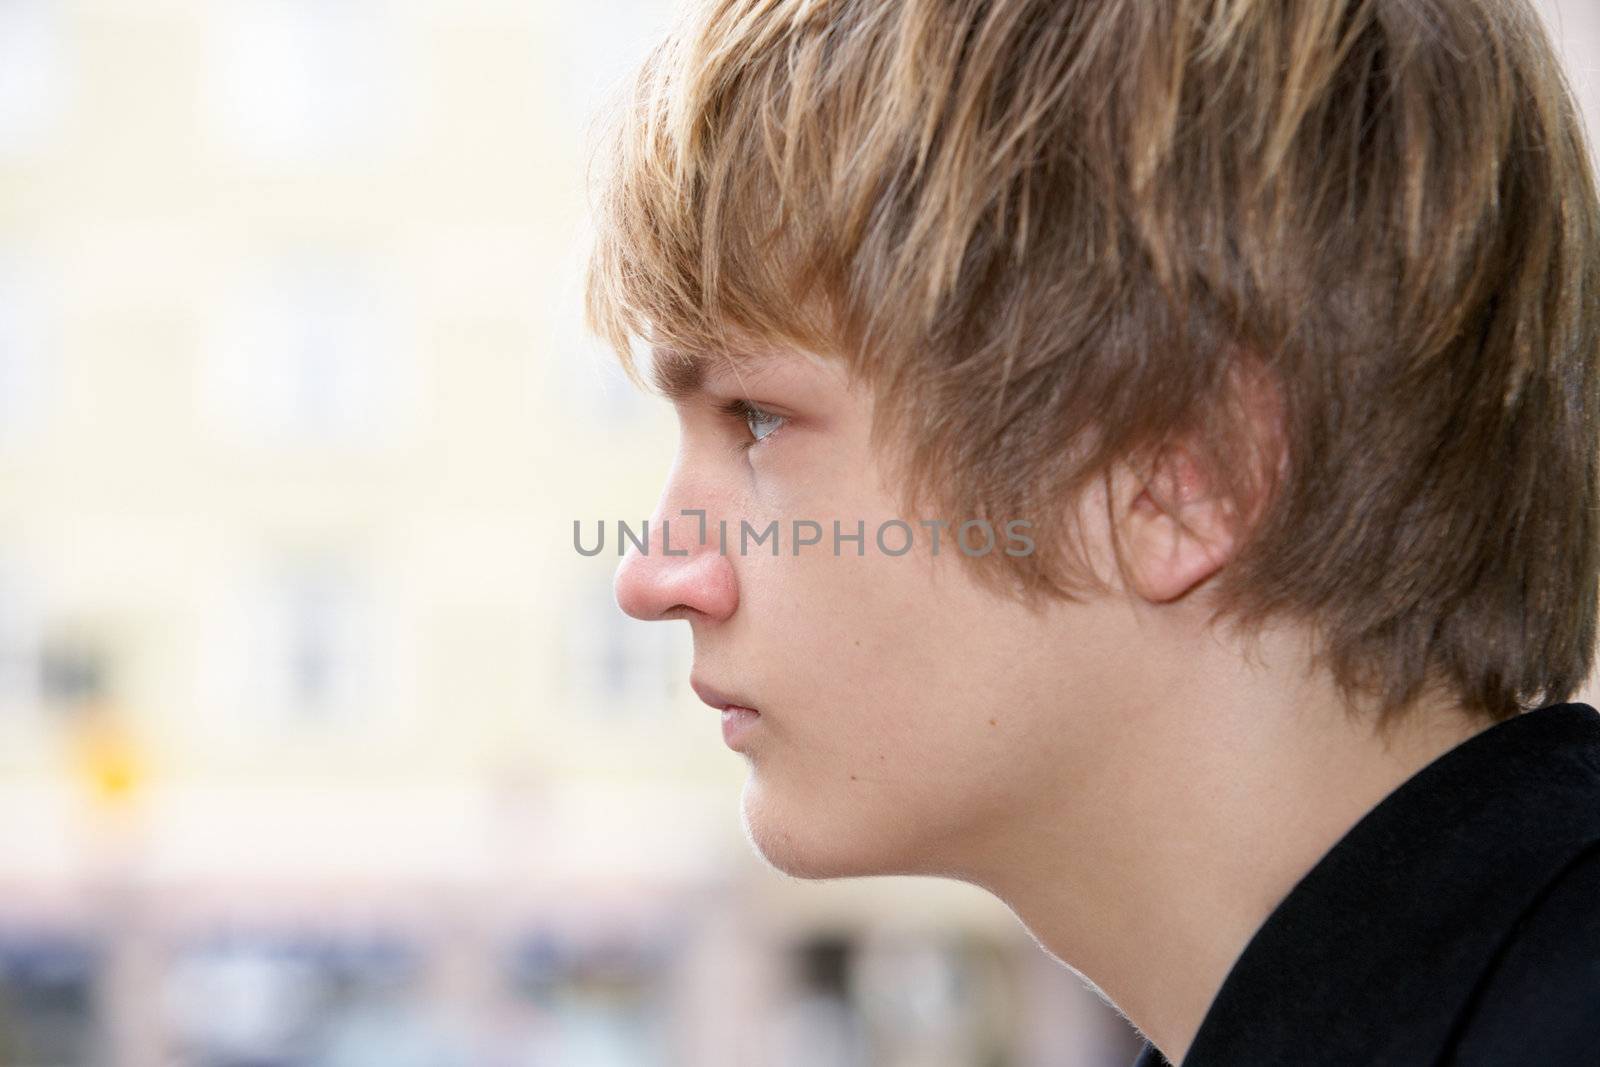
[760,423]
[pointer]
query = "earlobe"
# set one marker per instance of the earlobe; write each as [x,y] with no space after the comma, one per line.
[1175,532]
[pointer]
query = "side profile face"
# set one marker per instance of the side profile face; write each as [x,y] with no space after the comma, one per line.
[911,720]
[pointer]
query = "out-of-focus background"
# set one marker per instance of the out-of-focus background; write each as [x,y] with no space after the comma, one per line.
[319,744]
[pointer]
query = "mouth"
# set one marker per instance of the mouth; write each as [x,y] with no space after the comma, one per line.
[721,699]
[738,716]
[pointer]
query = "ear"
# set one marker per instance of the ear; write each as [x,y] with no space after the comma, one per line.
[1174,531]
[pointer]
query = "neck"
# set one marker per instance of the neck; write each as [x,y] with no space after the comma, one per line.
[1157,860]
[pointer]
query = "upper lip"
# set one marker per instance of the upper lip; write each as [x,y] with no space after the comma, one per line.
[717,698]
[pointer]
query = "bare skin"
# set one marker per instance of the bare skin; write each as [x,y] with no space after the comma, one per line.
[1138,789]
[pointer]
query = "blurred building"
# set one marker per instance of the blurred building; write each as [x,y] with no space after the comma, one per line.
[318,743]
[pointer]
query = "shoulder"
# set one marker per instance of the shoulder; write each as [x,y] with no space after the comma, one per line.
[1540,1001]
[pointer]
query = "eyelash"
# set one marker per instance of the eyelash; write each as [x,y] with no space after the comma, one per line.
[745,411]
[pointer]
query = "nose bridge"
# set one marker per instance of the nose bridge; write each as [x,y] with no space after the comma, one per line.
[684,521]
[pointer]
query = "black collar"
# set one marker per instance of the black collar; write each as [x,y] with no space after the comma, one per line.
[1373,955]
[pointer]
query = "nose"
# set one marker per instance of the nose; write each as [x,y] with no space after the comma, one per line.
[678,575]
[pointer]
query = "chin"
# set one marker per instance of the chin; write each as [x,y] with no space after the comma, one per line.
[805,847]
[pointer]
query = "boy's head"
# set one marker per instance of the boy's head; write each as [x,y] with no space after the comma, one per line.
[1277,324]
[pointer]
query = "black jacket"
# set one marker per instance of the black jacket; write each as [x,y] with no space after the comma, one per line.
[1457,923]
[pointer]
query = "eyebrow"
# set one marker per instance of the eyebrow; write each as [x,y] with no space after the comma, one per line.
[677,375]
[680,376]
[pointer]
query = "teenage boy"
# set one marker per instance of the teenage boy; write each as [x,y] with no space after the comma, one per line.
[1140,457]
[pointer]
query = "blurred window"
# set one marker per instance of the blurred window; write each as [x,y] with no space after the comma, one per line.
[269,999]
[601,1002]
[21,645]
[314,638]
[307,355]
[31,79]
[291,650]
[26,358]
[299,80]
[619,663]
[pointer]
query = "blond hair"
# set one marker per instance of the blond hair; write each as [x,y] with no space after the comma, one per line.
[1053,235]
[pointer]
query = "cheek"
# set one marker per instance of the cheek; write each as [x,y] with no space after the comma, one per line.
[880,646]
[886,677]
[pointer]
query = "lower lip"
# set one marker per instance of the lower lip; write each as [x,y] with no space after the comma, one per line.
[737,724]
